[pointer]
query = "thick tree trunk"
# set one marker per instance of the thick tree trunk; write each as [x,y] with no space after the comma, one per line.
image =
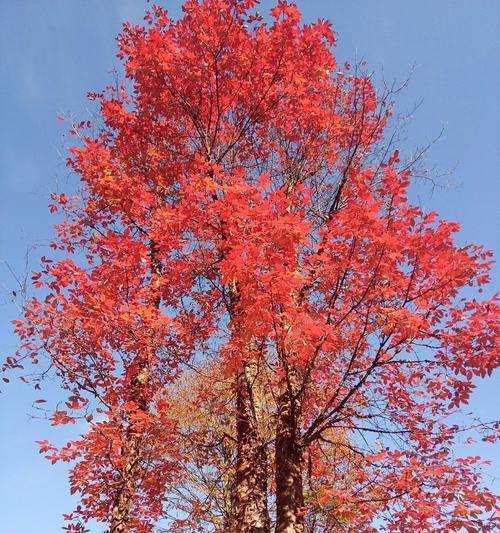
[289,466]
[250,510]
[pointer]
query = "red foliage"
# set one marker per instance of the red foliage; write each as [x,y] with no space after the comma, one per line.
[242,156]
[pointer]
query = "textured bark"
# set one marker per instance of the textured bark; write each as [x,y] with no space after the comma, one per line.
[120,512]
[250,511]
[131,451]
[131,448]
[288,464]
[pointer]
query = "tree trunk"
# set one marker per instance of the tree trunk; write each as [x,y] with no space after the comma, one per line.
[289,465]
[250,511]
[120,512]
[131,448]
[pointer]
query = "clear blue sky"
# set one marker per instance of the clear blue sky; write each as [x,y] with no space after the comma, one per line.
[52,52]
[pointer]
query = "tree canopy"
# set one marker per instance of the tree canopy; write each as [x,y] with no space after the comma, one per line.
[259,328]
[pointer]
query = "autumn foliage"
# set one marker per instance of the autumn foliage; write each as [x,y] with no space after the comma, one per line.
[257,326]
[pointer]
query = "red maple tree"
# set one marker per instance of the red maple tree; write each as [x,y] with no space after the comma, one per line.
[240,211]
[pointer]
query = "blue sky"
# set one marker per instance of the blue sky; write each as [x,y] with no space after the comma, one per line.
[52,52]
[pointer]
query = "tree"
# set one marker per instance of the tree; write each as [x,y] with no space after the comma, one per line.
[241,211]
[203,403]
